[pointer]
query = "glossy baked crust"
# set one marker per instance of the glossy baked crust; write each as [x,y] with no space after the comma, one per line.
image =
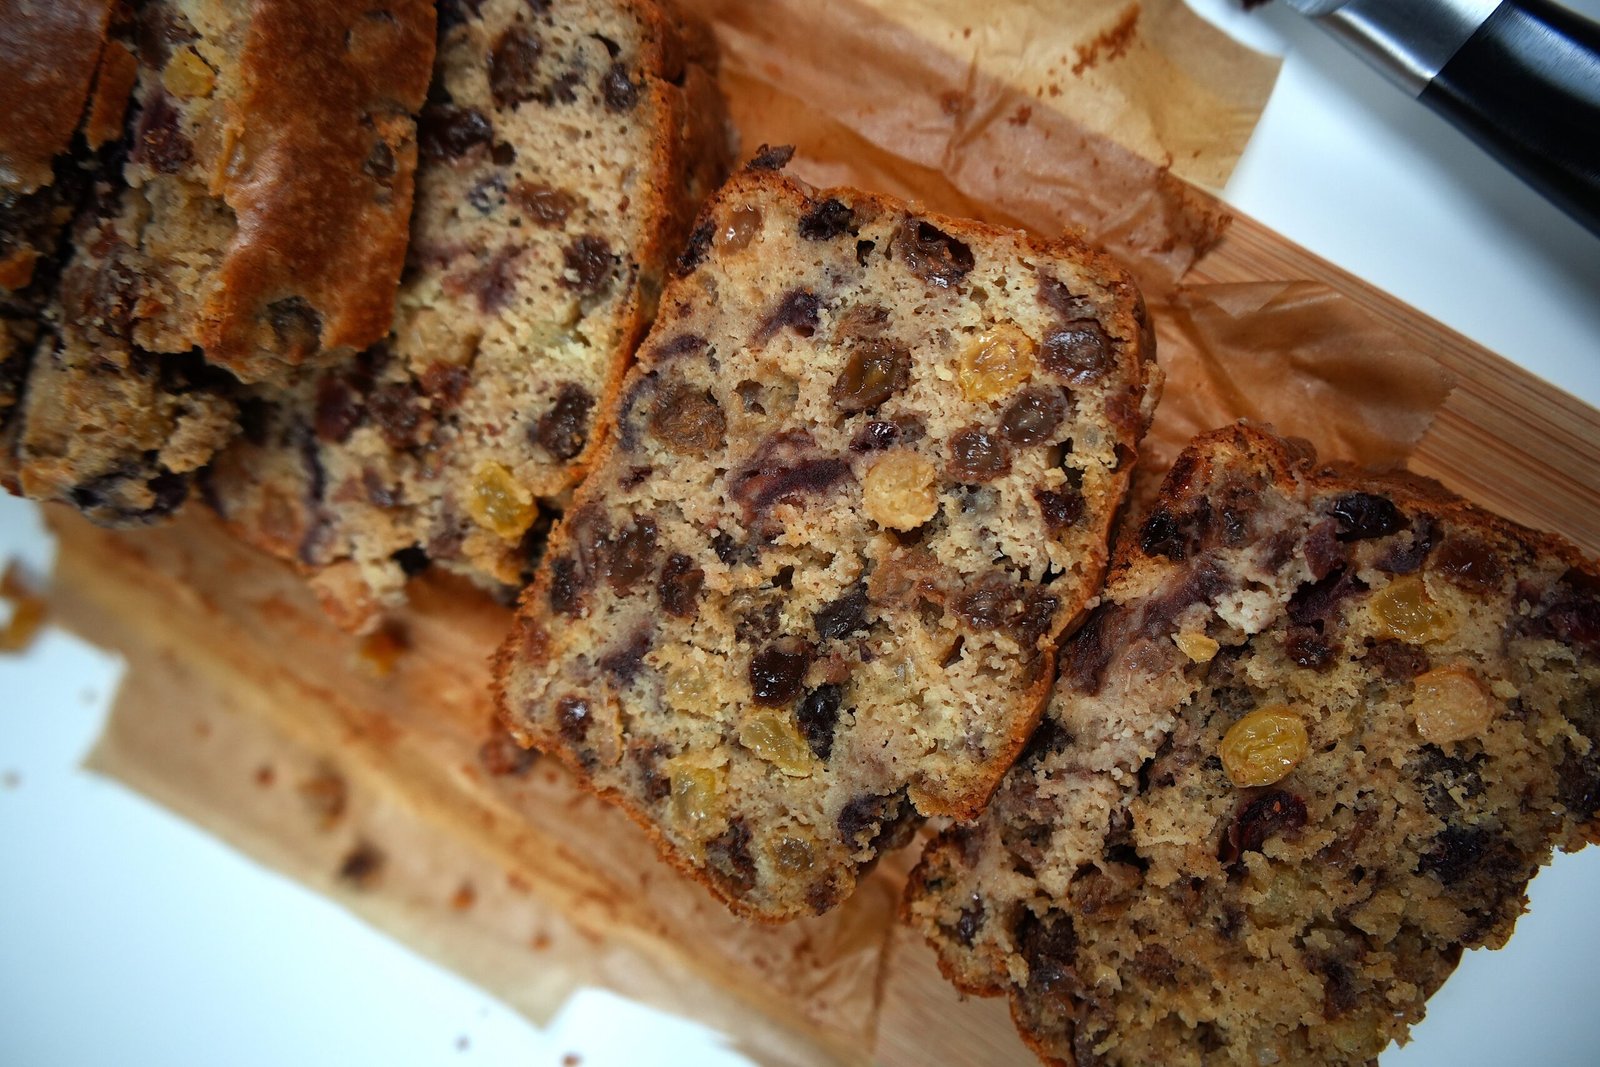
[249,214]
[321,149]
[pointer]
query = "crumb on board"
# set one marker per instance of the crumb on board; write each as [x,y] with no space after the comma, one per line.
[265,775]
[571,1059]
[502,756]
[325,794]
[361,865]
[22,611]
[381,650]
[464,897]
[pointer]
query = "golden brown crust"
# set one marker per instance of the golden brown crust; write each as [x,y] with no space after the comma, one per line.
[48,53]
[317,220]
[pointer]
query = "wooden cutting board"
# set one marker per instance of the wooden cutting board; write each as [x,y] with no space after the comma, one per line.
[1504,438]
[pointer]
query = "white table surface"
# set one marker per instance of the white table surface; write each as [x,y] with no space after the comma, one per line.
[128,937]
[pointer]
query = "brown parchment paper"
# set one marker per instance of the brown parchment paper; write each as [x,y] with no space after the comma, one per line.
[1080,115]
[986,118]
[245,708]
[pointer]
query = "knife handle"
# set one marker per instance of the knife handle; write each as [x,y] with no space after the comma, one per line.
[1526,88]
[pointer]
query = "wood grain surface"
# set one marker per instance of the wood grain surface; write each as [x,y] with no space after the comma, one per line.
[1504,438]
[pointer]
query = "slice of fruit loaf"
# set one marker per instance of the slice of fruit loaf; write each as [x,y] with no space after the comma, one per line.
[1315,742]
[565,147]
[859,483]
[259,221]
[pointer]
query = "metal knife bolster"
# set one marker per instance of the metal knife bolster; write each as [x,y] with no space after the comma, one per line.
[1409,41]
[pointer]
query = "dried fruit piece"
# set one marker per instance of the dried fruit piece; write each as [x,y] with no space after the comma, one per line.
[844,616]
[1032,418]
[996,363]
[898,492]
[792,856]
[619,89]
[697,802]
[772,736]
[632,555]
[1470,563]
[1268,815]
[742,226]
[690,690]
[1197,646]
[1264,746]
[799,310]
[1078,353]
[931,254]
[689,421]
[543,204]
[1060,510]
[785,469]
[589,262]
[564,429]
[512,65]
[445,131]
[875,371]
[818,717]
[1363,516]
[1405,612]
[498,503]
[978,454]
[777,671]
[1450,704]
[826,220]
[679,586]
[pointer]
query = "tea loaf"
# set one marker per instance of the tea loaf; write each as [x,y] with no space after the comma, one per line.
[1314,743]
[857,486]
[564,149]
[258,221]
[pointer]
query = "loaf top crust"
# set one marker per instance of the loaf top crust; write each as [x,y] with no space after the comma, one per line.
[322,207]
[48,55]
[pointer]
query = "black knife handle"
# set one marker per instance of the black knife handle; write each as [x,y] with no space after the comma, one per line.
[1526,87]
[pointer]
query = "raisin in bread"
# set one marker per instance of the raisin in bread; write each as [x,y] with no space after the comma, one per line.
[858,485]
[565,147]
[1315,742]
[64,83]
[259,220]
